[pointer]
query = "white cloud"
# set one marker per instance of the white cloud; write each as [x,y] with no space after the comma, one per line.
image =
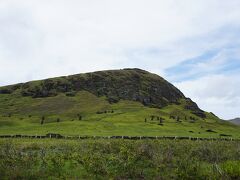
[215,93]
[41,39]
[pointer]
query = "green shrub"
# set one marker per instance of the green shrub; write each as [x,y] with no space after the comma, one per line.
[118,159]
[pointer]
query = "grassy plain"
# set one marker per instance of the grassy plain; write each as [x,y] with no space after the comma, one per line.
[22,115]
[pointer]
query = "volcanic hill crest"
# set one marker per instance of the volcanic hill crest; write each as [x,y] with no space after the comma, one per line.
[128,84]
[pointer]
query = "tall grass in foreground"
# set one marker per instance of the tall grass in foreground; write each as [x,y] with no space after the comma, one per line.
[118,159]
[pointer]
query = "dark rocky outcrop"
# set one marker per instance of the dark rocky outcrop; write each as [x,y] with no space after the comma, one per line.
[192,106]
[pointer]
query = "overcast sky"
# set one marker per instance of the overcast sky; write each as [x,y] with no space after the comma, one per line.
[193,44]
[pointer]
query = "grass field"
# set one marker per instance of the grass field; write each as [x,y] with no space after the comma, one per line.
[23,115]
[119,159]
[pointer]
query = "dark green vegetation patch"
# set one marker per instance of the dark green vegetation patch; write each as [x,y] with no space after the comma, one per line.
[119,159]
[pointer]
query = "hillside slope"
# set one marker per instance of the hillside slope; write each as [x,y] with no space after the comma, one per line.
[116,102]
[128,84]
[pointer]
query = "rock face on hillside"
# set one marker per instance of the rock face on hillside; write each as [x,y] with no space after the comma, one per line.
[128,84]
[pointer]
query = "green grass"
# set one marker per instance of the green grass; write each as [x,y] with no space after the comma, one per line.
[22,115]
[119,159]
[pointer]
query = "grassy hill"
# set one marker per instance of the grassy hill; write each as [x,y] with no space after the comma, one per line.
[120,102]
